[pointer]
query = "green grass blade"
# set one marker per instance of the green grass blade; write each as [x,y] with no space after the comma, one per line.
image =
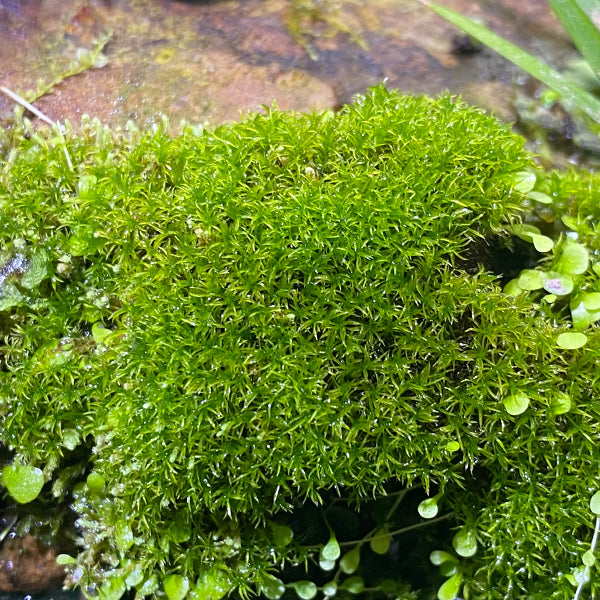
[591,9]
[583,32]
[563,86]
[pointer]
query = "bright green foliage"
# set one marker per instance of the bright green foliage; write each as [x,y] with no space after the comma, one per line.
[566,281]
[240,320]
[23,482]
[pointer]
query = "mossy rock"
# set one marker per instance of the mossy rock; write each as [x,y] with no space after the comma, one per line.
[243,319]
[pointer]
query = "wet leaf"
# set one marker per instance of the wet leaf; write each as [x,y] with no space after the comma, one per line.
[306,590]
[531,280]
[273,588]
[331,550]
[23,482]
[560,404]
[428,508]
[524,181]
[282,534]
[95,482]
[123,536]
[574,259]
[450,588]
[350,561]
[558,284]
[176,587]
[380,542]
[437,557]
[588,558]
[329,589]
[595,503]
[112,589]
[136,576]
[213,584]
[149,586]
[327,565]
[10,296]
[516,404]
[465,542]
[354,585]
[36,271]
[571,340]
[100,333]
[542,243]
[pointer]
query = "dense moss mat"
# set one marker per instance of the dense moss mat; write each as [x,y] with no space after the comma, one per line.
[243,319]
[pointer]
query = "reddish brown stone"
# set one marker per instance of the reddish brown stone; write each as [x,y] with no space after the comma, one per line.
[26,566]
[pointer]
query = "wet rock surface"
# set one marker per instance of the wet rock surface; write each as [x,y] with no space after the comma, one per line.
[211,61]
[28,566]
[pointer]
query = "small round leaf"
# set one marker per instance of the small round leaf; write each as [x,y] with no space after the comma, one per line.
[380,542]
[571,340]
[452,446]
[588,558]
[100,333]
[558,284]
[438,557]
[23,482]
[282,534]
[450,588]
[448,569]
[523,181]
[542,243]
[516,404]
[306,590]
[540,197]
[329,589]
[113,589]
[512,288]
[560,404]
[176,587]
[591,300]
[465,542]
[350,561]
[124,537]
[273,588]
[213,584]
[530,280]
[354,585]
[327,565]
[428,508]
[331,550]
[574,259]
[595,503]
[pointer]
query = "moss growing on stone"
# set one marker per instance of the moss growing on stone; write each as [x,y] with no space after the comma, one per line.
[240,320]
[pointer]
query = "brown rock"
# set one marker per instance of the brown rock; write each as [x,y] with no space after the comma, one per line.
[27,565]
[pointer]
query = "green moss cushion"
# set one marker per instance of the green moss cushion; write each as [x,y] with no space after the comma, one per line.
[238,320]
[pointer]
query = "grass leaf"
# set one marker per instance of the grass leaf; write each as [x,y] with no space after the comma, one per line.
[568,90]
[583,32]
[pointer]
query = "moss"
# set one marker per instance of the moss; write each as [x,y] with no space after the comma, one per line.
[243,319]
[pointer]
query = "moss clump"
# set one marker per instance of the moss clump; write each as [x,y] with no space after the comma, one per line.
[239,320]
